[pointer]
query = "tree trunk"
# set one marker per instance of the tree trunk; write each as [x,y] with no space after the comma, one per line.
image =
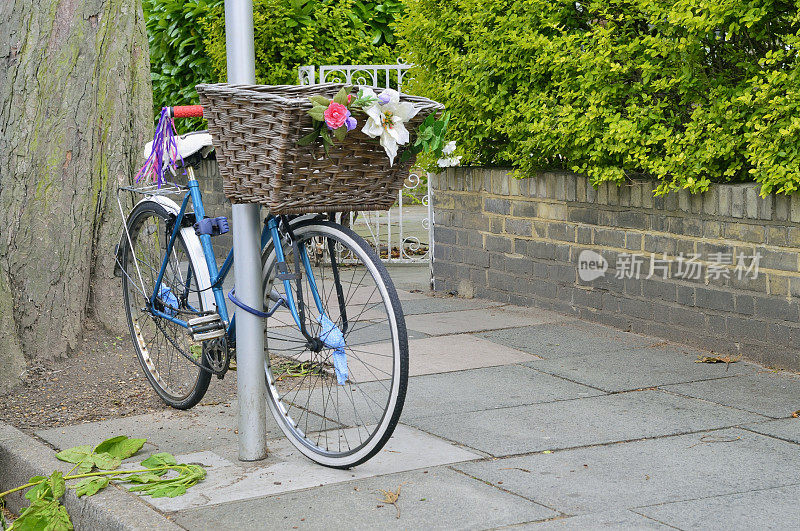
[75,104]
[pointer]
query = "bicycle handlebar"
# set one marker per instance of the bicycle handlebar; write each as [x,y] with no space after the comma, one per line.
[186,111]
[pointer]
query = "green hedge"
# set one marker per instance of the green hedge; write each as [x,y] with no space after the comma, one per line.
[178,59]
[689,92]
[187,41]
[292,33]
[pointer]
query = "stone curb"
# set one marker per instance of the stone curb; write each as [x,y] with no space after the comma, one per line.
[22,457]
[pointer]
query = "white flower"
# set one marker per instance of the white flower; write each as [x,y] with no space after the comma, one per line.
[449,162]
[449,148]
[386,120]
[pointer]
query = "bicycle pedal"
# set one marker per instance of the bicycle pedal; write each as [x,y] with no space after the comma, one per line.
[205,327]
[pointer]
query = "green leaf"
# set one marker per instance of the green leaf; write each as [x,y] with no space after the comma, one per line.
[57,484]
[159,460]
[309,138]
[91,486]
[321,100]
[168,491]
[341,96]
[424,134]
[106,461]
[43,515]
[60,521]
[145,477]
[188,475]
[121,447]
[39,491]
[75,454]
[340,133]
[36,516]
[317,113]
[326,140]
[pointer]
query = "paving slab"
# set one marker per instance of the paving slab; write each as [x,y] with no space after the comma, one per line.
[637,368]
[435,355]
[286,469]
[614,520]
[425,305]
[173,431]
[434,498]
[584,421]
[786,429]
[406,295]
[775,394]
[437,324]
[410,277]
[490,388]
[568,338]
[484,389]
[775,508]
[646,472]
[284,339]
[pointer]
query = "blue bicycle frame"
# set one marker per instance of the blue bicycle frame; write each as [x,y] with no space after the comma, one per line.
[218,275]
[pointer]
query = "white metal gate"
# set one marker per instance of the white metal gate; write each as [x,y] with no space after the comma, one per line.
[403,234]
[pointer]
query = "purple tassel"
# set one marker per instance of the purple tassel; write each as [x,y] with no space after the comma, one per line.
[155,167]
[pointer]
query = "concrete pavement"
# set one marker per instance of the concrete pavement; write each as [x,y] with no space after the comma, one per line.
[514,417]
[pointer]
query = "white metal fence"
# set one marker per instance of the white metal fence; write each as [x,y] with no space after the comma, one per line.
[403,234]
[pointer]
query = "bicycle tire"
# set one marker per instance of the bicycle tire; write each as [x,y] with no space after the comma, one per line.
[157,341]
[305,399]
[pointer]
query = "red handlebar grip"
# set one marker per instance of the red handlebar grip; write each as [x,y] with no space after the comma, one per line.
[187,111]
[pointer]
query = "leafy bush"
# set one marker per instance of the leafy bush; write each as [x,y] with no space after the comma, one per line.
[182,55]
[691,93]
[379,17]
[292,33]
[178,59]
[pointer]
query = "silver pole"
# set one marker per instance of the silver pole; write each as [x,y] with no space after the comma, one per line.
[250,376]
[430,231]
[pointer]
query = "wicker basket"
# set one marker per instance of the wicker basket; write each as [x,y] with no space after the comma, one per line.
[256,129]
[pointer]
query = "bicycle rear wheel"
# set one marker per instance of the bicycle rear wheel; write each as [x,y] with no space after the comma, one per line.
[161,345]
[338,417]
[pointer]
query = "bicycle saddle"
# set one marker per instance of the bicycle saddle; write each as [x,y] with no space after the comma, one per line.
[191,147]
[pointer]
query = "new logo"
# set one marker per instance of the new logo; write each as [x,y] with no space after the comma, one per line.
[591,265]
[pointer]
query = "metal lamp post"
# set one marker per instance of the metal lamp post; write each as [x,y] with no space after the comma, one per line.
[247,250]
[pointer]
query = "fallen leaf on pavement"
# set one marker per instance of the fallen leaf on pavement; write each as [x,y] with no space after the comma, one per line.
[391,497]
[727,360]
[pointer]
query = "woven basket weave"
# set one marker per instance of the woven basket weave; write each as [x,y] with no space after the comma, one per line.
[256,129]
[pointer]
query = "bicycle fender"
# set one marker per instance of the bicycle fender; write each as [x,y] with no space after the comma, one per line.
[193,247]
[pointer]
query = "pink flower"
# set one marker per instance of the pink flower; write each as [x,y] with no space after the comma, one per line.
[335,115]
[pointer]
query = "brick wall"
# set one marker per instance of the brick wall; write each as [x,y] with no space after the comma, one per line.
[523,241]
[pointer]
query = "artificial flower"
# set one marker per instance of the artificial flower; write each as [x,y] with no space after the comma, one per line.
[449,162]
[336,115]
[386,120]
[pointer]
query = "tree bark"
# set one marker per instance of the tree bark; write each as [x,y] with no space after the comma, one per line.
[75,104]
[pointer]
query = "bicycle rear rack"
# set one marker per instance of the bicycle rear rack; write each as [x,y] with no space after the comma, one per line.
[148,190]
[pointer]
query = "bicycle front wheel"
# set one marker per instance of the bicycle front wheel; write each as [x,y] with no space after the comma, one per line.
[337,400]
[161,345]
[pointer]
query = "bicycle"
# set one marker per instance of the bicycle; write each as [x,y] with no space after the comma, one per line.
[336,360]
